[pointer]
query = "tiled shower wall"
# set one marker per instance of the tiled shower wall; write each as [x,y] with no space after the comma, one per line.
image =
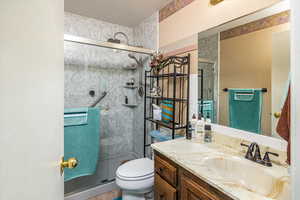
[145,34]
[208,48]
[99,69]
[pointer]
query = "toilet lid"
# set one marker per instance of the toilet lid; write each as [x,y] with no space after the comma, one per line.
[136,168]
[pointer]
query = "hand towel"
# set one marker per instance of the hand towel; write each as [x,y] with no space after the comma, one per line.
[245,108]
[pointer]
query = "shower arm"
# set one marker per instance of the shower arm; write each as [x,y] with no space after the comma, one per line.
[123,34]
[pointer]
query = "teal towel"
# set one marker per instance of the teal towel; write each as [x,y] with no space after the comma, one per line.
[82,141]
[245,108]
[207,108]
[162,136]
[75,116]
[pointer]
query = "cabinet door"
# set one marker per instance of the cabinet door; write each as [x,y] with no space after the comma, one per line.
[163,190]
[166,170]
[191,190]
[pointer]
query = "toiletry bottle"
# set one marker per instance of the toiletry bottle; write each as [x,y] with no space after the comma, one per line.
[208,119]
[199,116]
[207,133]
[126,100]
[203,124]
[200,124]
[194,125]
[189,132]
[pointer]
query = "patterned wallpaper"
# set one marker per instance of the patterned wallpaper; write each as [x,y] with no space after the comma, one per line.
[172,8]
[274,20]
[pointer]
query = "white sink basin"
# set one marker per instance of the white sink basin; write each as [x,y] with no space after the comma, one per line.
[246,175]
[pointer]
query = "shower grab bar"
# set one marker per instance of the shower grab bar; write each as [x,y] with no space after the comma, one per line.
[99,99]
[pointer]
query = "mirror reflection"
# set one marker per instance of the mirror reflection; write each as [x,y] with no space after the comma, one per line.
[243,71]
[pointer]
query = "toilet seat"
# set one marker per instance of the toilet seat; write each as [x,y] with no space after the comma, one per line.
[136,178]
[135,170]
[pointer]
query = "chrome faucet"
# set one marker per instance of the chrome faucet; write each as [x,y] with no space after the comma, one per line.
[257,155]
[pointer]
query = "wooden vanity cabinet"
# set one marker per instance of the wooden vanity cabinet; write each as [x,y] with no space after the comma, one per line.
[191,190]
[166,170]
[163,190]
[172,182]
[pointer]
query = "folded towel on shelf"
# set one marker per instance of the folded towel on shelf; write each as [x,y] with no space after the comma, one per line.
[161,135]
[167,111]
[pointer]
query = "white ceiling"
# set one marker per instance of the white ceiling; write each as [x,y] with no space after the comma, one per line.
[122,12]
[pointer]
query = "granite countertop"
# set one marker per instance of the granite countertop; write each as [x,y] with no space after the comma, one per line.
[227,170]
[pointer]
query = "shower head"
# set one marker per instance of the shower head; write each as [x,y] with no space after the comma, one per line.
[132,56]
[112,40]
[118,41]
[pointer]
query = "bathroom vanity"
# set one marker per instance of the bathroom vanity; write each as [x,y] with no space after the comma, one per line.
[190,170]
[174,182]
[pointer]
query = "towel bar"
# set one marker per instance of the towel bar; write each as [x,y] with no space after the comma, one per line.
[262,89]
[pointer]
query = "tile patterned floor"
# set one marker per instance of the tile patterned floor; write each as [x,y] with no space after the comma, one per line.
[107,196]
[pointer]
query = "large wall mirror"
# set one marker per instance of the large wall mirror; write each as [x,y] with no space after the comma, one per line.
[243,71]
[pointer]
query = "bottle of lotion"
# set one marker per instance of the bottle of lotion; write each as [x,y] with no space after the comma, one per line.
[194,125]
[201,124]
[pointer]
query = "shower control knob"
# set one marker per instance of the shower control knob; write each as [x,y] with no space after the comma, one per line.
[92,93]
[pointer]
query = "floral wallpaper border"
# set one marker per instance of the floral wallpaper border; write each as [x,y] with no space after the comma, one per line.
[274,20]
[172,8]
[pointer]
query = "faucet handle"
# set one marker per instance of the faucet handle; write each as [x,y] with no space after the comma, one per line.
[266,159]
[245,145]
[249,154]
[257,155]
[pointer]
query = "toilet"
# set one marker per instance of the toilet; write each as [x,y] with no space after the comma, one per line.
[135,178]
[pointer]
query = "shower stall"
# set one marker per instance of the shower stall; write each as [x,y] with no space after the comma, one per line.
[206,85]
[208,76]
[103,75]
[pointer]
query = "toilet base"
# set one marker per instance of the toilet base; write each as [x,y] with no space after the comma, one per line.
[137,195]
[132,196]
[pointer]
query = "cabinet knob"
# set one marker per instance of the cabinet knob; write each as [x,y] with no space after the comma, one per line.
[161,169]
[162,196]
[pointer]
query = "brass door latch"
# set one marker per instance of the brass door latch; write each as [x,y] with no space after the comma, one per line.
[71,163]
